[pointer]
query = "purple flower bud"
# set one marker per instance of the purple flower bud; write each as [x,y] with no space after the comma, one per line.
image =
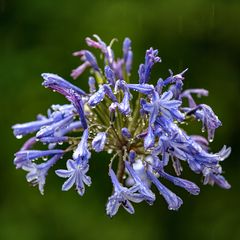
[77,102]
[124,106]
[79,70]
[99,141]
[132,156]
[20,130]
[91,59]
[125,133]
[71,127]
[49,130]
[25,156]
[110,75]
[28,144]
[127,54]
[142,88]
[145,70]
[97,97]
[53,139]
[109,93]
[117,68]
[58,84]
[92,43]
[149,140]
[82,153]
[91,83]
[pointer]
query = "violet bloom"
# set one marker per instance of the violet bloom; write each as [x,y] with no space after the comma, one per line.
[98,142]
[140,125]
[121,196]
[76,174]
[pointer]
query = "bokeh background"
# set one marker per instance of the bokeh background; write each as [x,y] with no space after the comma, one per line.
[39,36]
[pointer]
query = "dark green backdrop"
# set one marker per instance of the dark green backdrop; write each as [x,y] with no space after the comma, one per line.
[39,36]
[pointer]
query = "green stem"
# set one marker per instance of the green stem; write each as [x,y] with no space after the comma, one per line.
[121,168]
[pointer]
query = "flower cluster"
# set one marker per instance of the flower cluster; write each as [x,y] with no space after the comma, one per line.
[139,124]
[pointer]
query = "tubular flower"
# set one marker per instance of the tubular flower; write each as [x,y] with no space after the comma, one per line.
[141,125]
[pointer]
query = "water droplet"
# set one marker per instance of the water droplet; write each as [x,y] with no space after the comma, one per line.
[19,136]
[44,158]
[203,129]
[109,151]
[54,90]
[210,139]
[60,143]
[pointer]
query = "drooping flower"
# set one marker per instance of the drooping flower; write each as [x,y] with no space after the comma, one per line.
[140,124]
[121,196]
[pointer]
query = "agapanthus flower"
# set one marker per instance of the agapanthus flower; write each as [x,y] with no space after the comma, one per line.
[140,124]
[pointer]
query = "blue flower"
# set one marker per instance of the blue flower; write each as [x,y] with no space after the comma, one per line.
[77,102]
[165,106]
[82,153]
[25,156]
[211,177]
[145,69]
[110,75]
[91,83]
[56,83]
[121,196]
[142,88]
[189,186]
[209,119]
[127,54]
[141,125]
[37,172]
[99,141]
[140,186]
[49,130]
[97,97]
[79,70]
[124,106]
[174,202]
[149,140]
[91,59]
[76,174]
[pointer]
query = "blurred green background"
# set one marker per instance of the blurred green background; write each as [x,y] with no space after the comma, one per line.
[39,36]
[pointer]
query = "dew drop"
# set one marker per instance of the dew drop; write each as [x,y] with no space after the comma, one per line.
[60,143]
[19,136]
[203,130]
[109,151]
[210,139]
[44,158]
